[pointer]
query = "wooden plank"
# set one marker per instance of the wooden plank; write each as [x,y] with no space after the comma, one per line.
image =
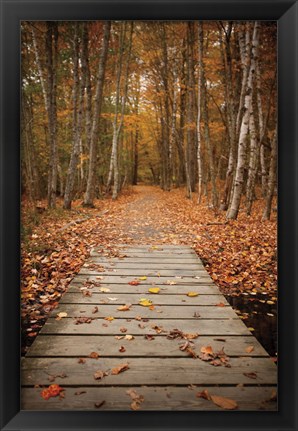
[147,371]
[155,398]
[215,327]
[162,312]
[143,272]
[124,279]
[151,256]
[83,345]
[134,297]
[145,265]
[177,259]
[203,289]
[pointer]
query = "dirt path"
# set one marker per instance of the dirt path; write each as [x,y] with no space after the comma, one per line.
[147,218]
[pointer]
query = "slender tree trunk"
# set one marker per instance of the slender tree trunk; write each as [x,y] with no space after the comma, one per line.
[253,159]
[271,178]
[241,162]
[78,94]
[205,117]
[199,154]
[51,63]
[230,114]
[89,195]
[118,128]
[190,133]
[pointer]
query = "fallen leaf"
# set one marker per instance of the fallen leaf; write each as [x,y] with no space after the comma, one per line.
[109,318]
[249,349]
[145,302]
[81,320]
[134,283]
[207,349]
[80,392]
[128,337]
[143,278]
[99,374]
[81,361]
[119,337]
[120,369]
[99,404]
[250,375]
[137,399]
[225,403]
[122,329]
[154,290]
[62,314]
[190,336]
[95,310]
[51,391]
[251,329]
[124,307]
[192,294]
[122,349]
[105,289]
[94,355]
[220,304]
[204,394]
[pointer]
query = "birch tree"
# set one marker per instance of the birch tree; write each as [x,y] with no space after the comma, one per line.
[271,178]
[199,154]
[241,162]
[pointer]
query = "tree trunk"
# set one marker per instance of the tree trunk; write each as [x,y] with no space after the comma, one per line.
[271,178]
[89,195]
[78,94]
[117,128]
[51,62]
[199,155]
[230,114]
[190,161]
[253,161]
[241,162]
[205,117]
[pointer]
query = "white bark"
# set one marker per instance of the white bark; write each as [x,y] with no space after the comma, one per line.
[271,178]
[241,162]
[199,155]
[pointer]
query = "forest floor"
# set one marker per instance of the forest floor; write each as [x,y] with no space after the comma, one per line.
[239,255]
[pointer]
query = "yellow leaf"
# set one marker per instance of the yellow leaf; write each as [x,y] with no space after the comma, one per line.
[154,290]
[109,318]
[191,294]
[62,314]
[143,278]
[145,302]
[251,329]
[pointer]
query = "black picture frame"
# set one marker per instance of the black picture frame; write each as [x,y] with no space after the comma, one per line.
[11,13]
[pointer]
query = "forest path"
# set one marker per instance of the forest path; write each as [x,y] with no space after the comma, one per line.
[148,217]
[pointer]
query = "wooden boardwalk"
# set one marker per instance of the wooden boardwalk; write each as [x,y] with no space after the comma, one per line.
[159,356]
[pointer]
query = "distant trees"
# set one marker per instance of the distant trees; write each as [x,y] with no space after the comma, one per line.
[110,103]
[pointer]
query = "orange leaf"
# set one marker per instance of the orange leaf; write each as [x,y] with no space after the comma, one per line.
[225,403]
[120,369]
[207,349]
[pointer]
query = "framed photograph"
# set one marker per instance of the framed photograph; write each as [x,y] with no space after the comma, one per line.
[148,215]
